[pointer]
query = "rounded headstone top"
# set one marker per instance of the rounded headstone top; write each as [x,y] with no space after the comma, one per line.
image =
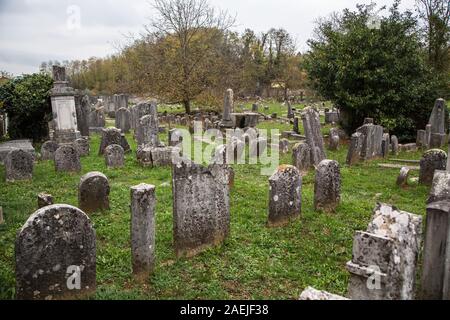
[114,148]
[434,152]
[91,175]
[143,187]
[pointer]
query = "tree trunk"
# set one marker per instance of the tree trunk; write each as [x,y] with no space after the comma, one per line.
[187,106]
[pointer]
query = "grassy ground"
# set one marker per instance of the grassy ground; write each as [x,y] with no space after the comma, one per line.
[254,263]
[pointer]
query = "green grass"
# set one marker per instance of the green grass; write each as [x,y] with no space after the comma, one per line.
[254,262]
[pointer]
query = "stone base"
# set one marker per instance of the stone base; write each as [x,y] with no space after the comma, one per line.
[6,147]
[66,136]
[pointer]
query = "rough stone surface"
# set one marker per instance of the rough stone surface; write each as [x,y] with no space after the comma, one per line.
[83,108]
[311,125]
[6,147]
[334,143]
[56,244]
[114,156]
[82,146]
[440,189]
[19,165]
[354,150]
[109,136]
[314,294]
[439,117]
[285,195]
[372,141]
[327,186]
[123,120]
[402,180]
[296,125]
[421,140]
[201,207]
[143,212]
[385,145]
[96,119]
[436,252]
[301,157]
[432,160]
[228,108]
[284,146]
[67,159]
[156,157]
[44,200]
[138,111]
[48,150]
[93,192]
[437,140]
[394,145]
[148,130]
[390,250]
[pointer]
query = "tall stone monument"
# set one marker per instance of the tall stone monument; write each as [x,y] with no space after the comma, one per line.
[63,107]
[227,121]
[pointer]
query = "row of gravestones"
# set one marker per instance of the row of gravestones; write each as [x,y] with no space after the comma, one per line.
[385,257]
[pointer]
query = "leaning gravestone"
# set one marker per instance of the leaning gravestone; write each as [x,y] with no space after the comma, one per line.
[67,158]
[93,192]
[109,136]
[431,161]
[123,120]
[311,124]
[19,165]
[143,205]
[301,157]
[48,150]
[201,207]
[327,186]
[55,255]
[384,260]
[114,156]
[285,195]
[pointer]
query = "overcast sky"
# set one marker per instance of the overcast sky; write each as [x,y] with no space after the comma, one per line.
[32,31]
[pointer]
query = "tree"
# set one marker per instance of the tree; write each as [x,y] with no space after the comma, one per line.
[26,100]
[186,31]
[376,72]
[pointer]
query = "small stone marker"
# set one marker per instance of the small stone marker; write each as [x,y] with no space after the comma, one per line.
[432,160]
[284,146]
[301,157]
[354,150]
[143,203]
[67,159]
[114,156]
[82,145]
[327,186]
[55,255]
[93,192]
[402,180]
[123,120]
[285,195]
[394,145]
[201,207]
[109,136]
[19,165]
[44,200]
[48,150]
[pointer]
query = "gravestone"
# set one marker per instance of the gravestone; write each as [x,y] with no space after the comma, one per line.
[148,130]
[67,159]
[290,113]
[421,140]
[19,165]
[296,125]
[138,111]
[63,108]
[114,156]
[354,150]
[120,101]
[123,120]
[438,119]
[175,137]
[437,140]
[311,125]
[402,180]
[228,108]
[96,119]
[109,136]
[156,157]
[384,260]
[372,141]
[143,212]
[327,186]
[201,207]
[314,294]
[255,107]
[82,146]
[44,200]
[385,145]
[55,255]
[83,108]
[48,150]
[93,192]
[301,157]
[440,189]
[124,143]
[8,146]
[334,139]
[394,145]
[431,161]
[285,195]
[284,146]
[331,117]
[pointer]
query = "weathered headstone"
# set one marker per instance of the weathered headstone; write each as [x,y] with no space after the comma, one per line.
[301,157]
[19,165]
[83,108]
[311,124]
[228,106]
[372,141]
[385,257]
[284,146]
[437,140]
[82,146]
[402,180]
[438,119]
[421,140]
[354,150]
[44,200]
[123,120]
[114,156]
[48,150]
[93,192]
[290,113]
[440,189]
[109,136]
[143,205]
[285,195]
[314,294]
[394,145]
[385,145]
[201,207]
[327,186]
[431,161]
[296,125]
[67,159]
[148,130]
[56,255]
[334,140]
